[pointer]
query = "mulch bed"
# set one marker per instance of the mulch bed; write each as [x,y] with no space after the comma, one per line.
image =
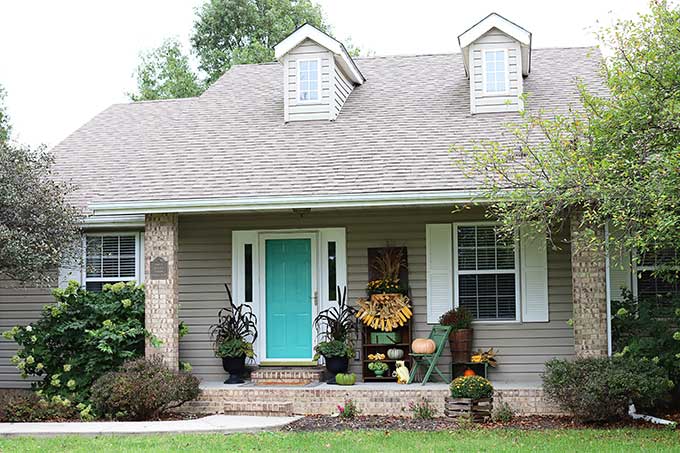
[383,423]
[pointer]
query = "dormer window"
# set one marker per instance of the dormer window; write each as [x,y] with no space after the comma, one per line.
[495,71]
[308,80]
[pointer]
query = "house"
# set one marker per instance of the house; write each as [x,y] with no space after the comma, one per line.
[307,163]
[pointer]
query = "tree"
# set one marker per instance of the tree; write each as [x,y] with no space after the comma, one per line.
[5,128]
[165,73]
[228,32]
[615,162]
[39,229]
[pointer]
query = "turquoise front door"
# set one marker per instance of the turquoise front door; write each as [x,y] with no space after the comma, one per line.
[288,281]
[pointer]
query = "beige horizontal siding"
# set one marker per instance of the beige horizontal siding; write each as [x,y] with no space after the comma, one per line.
[205,265]
[19,305]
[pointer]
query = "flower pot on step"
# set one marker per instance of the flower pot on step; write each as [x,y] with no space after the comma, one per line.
[460,342]
[336,365]
[235,366]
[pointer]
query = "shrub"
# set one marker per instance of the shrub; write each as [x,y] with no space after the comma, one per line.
[596,389]
[423,410]
[474,387]
[142,390]
[349,410]
[27,406]
[80,337]
[646,329]
[502,412]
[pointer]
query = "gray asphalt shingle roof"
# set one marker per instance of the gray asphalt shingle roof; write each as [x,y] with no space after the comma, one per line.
[392,135]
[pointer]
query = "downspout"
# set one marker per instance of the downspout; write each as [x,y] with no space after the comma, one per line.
[608,290]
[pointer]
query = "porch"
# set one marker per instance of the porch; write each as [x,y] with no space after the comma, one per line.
[203,252]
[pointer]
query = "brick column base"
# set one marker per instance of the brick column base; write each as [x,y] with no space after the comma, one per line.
[162,292]
[589,290]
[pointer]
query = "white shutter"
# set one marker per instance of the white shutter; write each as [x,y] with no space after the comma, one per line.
[238,262]
[620,270]
[534,275]
[439,270]
[72,270]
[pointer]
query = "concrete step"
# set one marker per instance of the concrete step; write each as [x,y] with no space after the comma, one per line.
[287,376]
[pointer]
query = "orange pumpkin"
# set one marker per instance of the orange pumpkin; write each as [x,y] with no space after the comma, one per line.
[469,372]
[423,346]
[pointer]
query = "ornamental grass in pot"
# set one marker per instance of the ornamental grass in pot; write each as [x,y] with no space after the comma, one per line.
[337,328]
[460,338]
[233,336]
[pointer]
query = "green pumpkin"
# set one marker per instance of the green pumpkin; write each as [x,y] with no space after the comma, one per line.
[345,379]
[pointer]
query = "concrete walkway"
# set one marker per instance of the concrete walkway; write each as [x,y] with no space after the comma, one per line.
[209,424]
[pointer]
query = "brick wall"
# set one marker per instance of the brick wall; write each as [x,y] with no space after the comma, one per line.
[162,291]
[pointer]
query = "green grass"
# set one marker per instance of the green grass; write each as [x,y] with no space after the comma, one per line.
[625,440]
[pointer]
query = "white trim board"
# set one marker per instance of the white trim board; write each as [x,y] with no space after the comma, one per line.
[245,204]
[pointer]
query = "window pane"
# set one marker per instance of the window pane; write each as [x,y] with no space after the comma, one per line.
[656,287]
[332,272]
[93,267]
[248,272]
[303,66]
[94,286]
[111,257]
[489,295]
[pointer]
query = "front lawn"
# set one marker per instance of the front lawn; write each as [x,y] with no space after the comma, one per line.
[498,440]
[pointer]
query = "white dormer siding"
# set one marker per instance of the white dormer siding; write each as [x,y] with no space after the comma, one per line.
[483,100]
[295,108]
[337,75]
[497,56]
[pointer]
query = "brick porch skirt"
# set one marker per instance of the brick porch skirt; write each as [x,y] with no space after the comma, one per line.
[372,399]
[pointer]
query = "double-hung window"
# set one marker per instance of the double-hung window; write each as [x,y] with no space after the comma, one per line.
[495,71]
[654,284]
[486,278]
[111,258]
[308,80]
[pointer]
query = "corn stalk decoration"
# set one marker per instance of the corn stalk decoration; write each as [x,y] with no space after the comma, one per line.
[384,312]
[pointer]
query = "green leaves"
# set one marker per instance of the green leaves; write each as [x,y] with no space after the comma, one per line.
[81,337]
[39,228]
[165,73]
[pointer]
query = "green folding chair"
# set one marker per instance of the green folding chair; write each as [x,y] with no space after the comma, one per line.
[439,335]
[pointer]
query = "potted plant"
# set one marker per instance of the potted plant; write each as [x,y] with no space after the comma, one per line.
[233,336]
[460,338]
[378,367]
[471,397]
[337,329]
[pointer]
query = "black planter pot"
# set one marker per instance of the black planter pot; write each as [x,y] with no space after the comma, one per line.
[235,366]
[336,365]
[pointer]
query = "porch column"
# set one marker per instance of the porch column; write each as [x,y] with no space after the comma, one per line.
[589,291]
[161,283]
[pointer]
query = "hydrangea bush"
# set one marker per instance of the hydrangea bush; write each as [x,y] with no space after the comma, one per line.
[79,338]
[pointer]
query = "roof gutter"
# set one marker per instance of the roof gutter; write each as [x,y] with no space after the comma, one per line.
[288,202]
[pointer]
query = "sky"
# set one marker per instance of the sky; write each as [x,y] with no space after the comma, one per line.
[62,62]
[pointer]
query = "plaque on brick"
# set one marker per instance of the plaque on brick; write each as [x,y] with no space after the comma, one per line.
[159,269]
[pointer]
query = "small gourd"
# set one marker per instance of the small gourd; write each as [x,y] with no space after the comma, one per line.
[469,372]
[423,346]
[345,378]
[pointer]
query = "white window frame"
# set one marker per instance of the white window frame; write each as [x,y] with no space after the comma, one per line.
[515,271]
[318,81]
[506,71]
[139,258]
[637,269]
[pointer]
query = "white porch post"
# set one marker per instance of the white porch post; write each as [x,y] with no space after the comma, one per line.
[161,282]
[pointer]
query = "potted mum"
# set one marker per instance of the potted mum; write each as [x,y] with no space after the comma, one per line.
[233,336]
[471,397]
[460,338]
[337,328]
